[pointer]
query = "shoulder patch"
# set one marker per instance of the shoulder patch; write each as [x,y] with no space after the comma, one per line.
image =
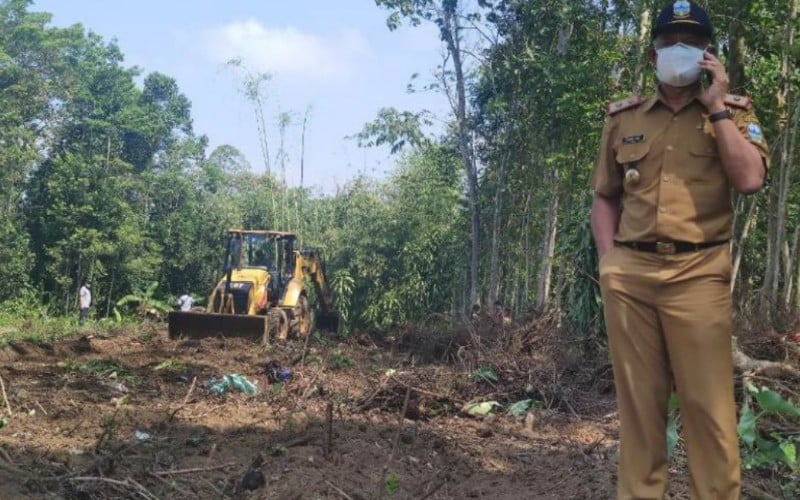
[628,103]
[737,101]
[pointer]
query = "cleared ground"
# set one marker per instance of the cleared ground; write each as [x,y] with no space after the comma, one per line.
[131,416]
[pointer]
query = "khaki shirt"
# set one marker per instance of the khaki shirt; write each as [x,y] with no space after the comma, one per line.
[682,193]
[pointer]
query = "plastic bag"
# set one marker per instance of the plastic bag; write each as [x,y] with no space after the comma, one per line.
[232,380]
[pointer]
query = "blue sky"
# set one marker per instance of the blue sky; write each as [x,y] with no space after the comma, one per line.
[338,57]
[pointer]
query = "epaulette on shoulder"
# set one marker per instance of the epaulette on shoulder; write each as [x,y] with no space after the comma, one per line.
[737,101]
[628,103]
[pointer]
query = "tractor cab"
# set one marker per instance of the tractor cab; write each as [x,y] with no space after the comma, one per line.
[256,262]
[270,251]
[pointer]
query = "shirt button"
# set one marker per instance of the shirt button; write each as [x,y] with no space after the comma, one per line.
[663,210]
[666,178]
[674,118]
[670,148]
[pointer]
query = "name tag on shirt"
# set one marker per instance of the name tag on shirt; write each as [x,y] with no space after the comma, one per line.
[633,139]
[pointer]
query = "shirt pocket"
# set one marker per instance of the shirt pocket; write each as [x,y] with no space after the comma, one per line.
[704,165]
[633,157]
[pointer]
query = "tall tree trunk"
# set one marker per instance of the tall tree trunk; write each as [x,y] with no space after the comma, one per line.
[738,249]
[644,36]
[790,261]
[548,247]
[736,46]
[526,252]
[497,212]
[451,31]
[797,288]
[779,195]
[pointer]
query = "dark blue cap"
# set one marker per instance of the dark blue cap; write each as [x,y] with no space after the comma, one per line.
[683,16]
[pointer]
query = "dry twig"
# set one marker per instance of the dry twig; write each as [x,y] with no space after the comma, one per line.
[185,401]
[431,394]
[395,442]
[338,490]
[14,470]
[127,483]
[172,485]
[142,490]
[329,429]
[189,471]
[5,398]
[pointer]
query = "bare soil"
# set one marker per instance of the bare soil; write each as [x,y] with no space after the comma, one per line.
[131,416]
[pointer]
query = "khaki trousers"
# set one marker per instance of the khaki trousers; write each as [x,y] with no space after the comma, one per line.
[669,319]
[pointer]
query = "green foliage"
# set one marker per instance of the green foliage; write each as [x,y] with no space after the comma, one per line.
[25,305]
[522,407]
[395,128]
[483,408]
[338,360]
[484,374]
[673,437]
[100,368]
[44,330]
[392,484]
[342,285]
[145,301]
[171,365]
[776,449]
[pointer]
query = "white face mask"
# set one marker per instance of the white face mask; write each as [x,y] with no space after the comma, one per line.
[677,65]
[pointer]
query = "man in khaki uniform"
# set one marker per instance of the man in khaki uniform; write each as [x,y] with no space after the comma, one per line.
[661,219]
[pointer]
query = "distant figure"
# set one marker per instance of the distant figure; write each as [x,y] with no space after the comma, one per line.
[85,301]
[185,302]
[501,315]
[507,316]
[475,311]
[497,312]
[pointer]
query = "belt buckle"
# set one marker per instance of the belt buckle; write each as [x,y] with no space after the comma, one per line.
[665,247]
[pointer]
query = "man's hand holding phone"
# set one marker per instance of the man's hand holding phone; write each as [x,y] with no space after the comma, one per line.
[713,96]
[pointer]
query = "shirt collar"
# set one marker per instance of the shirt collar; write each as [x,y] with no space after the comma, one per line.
[658,97]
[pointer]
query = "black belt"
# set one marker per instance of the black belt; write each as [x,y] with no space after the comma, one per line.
[667,247]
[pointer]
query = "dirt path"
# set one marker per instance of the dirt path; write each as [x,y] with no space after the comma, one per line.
[77,407]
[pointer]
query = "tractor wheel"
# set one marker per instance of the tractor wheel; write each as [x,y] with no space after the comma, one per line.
[277,325]
[302,321]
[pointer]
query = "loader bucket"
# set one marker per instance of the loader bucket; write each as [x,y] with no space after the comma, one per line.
[328,321]
[202,324]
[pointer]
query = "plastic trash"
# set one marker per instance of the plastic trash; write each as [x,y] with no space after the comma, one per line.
[142,435]
[117,387]
[242,384]
[221,387]
[276,373]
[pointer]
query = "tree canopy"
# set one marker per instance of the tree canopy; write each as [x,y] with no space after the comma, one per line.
[104,176]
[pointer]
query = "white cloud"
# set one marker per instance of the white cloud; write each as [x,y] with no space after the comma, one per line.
[286,50]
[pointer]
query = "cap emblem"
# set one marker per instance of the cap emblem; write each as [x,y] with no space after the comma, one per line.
[681,9]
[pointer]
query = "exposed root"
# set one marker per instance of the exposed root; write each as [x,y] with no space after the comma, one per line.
[745,364]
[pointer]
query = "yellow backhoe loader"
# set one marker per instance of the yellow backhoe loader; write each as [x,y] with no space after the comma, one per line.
[263,293]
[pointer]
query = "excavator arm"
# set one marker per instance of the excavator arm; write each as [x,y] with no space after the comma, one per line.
[309,264]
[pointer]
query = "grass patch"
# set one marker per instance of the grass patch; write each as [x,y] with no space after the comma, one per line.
[100,368]
[171,365]
[339,361]
[46,330]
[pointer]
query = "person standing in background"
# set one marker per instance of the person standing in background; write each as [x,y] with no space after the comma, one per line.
[85,301]
[185,302]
